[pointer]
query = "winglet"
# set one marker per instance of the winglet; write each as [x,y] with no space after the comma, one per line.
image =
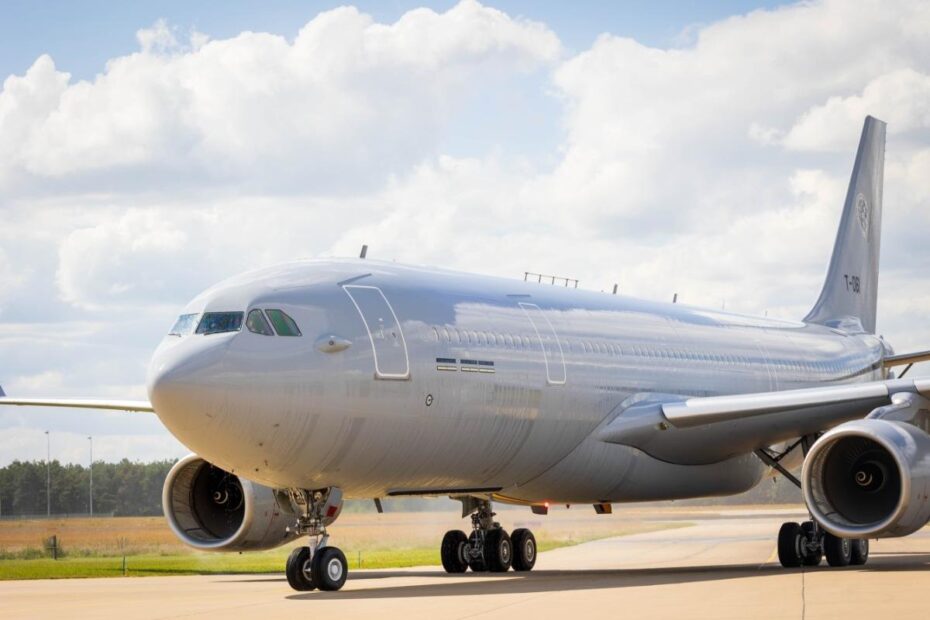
[2,393]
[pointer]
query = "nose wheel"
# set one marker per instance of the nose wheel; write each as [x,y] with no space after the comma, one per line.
[299,570]
[325,569]
[319,566]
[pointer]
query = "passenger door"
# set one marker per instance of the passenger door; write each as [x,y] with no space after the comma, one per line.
[384,332]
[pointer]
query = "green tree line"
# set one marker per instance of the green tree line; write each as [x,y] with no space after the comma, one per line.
[127,488]
[124,488]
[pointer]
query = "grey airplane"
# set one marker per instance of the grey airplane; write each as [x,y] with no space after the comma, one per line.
[299,385]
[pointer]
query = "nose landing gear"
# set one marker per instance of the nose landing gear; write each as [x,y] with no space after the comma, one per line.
[489,547]
[317,566]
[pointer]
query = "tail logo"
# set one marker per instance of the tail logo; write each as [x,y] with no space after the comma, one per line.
[862,213]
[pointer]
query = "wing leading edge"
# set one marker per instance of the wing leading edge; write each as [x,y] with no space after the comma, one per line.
[710,429]
[143,406]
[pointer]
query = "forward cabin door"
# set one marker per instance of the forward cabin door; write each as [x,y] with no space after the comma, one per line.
[552,348]
[384,332]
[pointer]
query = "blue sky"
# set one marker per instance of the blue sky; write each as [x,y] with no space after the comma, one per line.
[82,35]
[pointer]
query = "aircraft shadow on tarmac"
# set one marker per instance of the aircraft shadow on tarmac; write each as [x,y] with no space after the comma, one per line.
[472,584]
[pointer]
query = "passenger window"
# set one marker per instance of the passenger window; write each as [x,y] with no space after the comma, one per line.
[283,324]
[219,322]
[257,323]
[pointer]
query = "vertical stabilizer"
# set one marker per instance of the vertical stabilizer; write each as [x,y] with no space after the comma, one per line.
[850,291]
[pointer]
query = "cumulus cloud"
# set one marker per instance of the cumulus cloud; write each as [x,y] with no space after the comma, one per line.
[901,98]
[102,264]
[345,103]
[715,169]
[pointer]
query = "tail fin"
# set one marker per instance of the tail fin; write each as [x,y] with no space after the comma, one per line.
[850,291]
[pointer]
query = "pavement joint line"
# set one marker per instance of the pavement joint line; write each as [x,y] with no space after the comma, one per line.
[771,557]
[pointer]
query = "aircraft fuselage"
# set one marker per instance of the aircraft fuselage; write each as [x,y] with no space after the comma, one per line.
[411,380]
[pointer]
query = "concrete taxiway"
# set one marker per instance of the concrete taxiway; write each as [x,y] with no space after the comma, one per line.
[722,566]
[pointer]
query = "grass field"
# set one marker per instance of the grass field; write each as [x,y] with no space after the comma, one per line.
[97,547]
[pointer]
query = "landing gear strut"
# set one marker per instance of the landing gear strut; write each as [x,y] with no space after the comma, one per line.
[489,547]
[317,566]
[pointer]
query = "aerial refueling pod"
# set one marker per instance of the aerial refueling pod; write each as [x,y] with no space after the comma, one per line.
[211,509]
[869,479]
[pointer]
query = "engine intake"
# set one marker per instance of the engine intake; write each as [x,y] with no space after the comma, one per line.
[869,479]
[211,509]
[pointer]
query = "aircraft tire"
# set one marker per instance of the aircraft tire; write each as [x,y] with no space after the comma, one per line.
[790,538]
[808,557]
[498,550]
[860,552]
[298,563]
[452,552]
[330,569]
[838,550]
[524,549]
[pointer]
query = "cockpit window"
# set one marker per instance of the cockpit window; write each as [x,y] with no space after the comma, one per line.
[218,322]
[257,323]
[184,326]
[283,324]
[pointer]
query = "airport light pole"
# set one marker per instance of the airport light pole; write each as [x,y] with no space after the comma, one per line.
[48,474]
[90,470]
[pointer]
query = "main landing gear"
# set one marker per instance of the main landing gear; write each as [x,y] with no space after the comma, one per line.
[806,543]
[317,566]
[488,547]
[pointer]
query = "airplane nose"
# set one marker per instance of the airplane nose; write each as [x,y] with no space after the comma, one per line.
[184,380]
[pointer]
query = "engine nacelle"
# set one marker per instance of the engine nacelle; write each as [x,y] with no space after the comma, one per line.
[211,509]
[869,479]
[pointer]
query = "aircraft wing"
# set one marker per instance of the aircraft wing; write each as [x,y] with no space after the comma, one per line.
[79,403]
[906,358]
[709,429]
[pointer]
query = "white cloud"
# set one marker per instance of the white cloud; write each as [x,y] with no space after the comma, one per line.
[901,98]
[29,444]
[102,264]
[160,38]
[344,104]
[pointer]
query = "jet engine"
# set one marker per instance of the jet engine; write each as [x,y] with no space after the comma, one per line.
[211,509]
[869,479]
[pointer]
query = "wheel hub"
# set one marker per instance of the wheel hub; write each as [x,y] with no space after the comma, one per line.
[334,569]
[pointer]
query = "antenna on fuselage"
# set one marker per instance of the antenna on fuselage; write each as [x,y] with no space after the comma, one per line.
[364,252]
